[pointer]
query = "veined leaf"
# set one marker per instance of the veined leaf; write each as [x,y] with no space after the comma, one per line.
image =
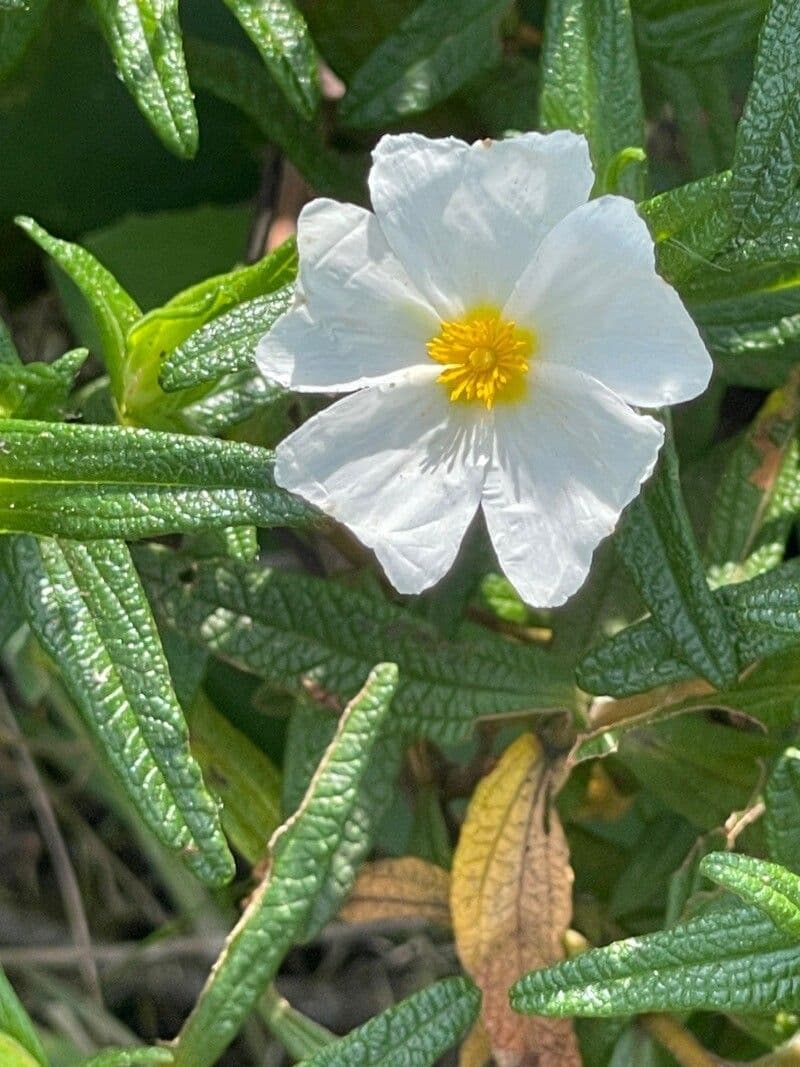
[405,888]
[431,54]
[658,548]
[311,732]
[748,511]
[304,851]
[38,390]
[10,616]
[770,888]
[280,34]
[415,1033]
[767,161]
[729,959]
[245,780]
[166,328]
[113,310]
[145,40]
[690,225]
[129,1057]
[762,614]
[107,481]
[243,83]
[16,1026]
[287,627]
[225,345]
[86,606]
[511,900]
[590,82]
[782,816]
[20,22]
[688,32]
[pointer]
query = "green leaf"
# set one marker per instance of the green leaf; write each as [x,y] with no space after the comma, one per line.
[311,730]
[701,100]
[86,606]
[39,390]
[768,887]
[280,34]
[12,1054]
[10,616]
[245,780]
[114,312]
[93,482]
[166,328]
[767,160]
[304,851]
[685,33]
[415,1033]
[590,82]
[237,79]
[751,514]
[658,548]
[16,1025]
[129,1057]
[690,225]
[226,345]
[782,816]
[287,627]
[145,40]
[431,54]
[20,22]
[762,615]
[734,959]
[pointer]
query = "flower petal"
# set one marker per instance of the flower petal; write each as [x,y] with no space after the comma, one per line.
[568,460]
[595,303]
[357,318]
[400,466]
[466,220]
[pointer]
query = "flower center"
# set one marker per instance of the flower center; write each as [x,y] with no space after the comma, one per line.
[485,357]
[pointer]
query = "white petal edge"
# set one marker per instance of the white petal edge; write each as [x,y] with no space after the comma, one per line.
[400,466]
[595,302]
[465,220]
[357,317]
[568,460]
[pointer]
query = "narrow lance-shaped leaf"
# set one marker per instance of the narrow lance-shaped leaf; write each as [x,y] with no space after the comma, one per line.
[415,1033]
[16,1025]
[729,959]
[311,731]
[762,615]
[226,345]
[130,1057]
[86,606]
[94,482]
[511,900]
[287,628]
[767,160]
[434,51]
[782,816]
[20,22]
[280,34]
[303,851]
[113,310]
[39,390]
[145,40]
[771,888]
[658,548]
[12,1054]
[590,83]
[687,34]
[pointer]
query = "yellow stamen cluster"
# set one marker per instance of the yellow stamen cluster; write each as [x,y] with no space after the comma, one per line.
[485,357]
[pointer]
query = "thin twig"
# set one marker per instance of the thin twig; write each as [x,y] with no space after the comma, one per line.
[59,855]
[114,955]
[684,1046]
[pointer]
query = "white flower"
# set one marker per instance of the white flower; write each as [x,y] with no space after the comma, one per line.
[495,332]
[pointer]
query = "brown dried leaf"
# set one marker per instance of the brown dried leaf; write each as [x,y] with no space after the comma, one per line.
[406,888]
[511,902]
[475,1050]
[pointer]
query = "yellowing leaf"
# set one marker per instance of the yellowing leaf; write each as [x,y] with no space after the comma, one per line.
[511,902]
[476,1050]
[406,888]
